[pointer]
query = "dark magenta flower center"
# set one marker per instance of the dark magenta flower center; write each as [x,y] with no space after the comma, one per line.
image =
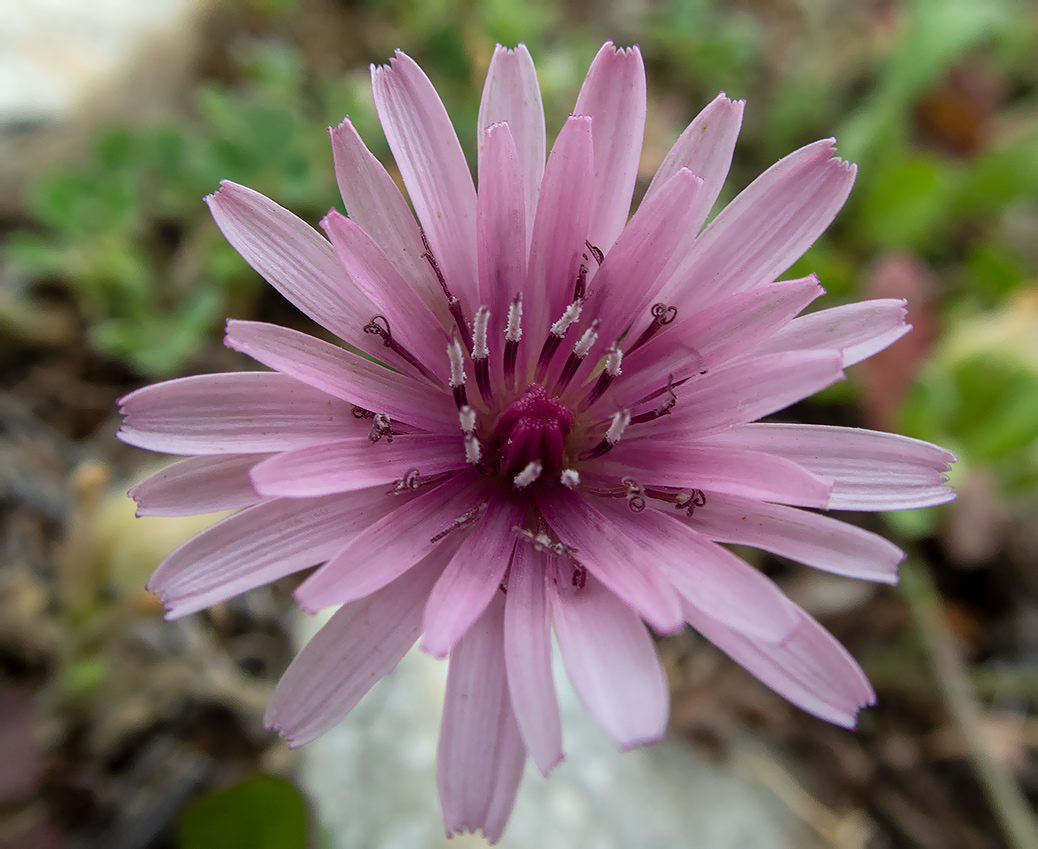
[533,428]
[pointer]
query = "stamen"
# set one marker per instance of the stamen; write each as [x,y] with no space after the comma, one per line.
[467,419]
[687,501]
[411,480]
[570,478]
[481,353]
[528,475]
[453,304]
[513,333]
[383,426]
[613,358]
[456,355]
[596,252]
[619,423]
[374,326]
[635,495]
[580,351]
[662,410]
[662,315]
[464,520]
[569,316]
[543,543]
[473,449]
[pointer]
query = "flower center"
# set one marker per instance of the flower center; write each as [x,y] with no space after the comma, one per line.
[533,430]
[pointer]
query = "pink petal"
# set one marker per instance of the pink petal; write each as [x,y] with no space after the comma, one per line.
[871,470]
[858,330]
[344,375]
[198,485]
[512,95]
[809,668]
[729,588]
[501,232]
[705,149]
[481,755]
[472,577]
[745,391]
[716,334]
[391,545]
[630,275]
[356,463]
[611,556]
[528,657]
[612,663]
[433,168]
[373,200]
[240,413]
[614,96]
[360,644]
[260,545]
[809,538]
[765,229]
[712,468]
[559,229]
[294,258]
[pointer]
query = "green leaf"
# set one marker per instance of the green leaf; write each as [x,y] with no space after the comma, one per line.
[263,812]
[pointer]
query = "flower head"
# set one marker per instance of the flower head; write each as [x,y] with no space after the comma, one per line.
[542,420]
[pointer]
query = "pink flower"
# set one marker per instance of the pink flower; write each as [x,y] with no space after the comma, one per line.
[564,432]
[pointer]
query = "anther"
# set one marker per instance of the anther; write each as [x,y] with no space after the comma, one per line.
[570,316]
[619,423]
[453,304]
[382,426]
[481,353]
[662,315]
[611,371]
[463,521]
[570,478]
[662,410]
[456,355]
[528,475]
[580,351]
[543,543]
[379,326]
[513,333]
[467,420]
[410,481]
[635,495]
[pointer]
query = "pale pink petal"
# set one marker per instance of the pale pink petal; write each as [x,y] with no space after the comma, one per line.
[359,645]
[198,485]
[714,335]
[871,470]
[393,543]
[705,149]
[433,168]
[528,656]
[614,96]
[511,95]
[261,545]
[559,230]
[611,661]
[630,275]
[611,556]
[345,375]
[355,463]
[765,229]
[729,588]
[858,330]
[809,538]
[472,577]
[743,392]
[412,324]
[701,465]
[480,757]
[809,668]
[294,258]
[373,200]
[502,225]
[239,413]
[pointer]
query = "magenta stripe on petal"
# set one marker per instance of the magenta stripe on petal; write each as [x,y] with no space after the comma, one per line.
[345,375]
[480,757]
[358,646]
[356,463]
[433,166]
[260,545]
[810,538]
[528,659]
[511,95]
[391,545]
[198,485]
[240,413]
[611,661]
[610,555]
[614,97]
[473,577]
[809,668]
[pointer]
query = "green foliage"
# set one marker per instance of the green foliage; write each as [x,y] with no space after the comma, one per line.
[263,812]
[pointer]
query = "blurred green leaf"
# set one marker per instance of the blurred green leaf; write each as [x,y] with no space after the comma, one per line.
[263,812]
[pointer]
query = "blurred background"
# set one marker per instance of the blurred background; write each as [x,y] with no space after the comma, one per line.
[117,117]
